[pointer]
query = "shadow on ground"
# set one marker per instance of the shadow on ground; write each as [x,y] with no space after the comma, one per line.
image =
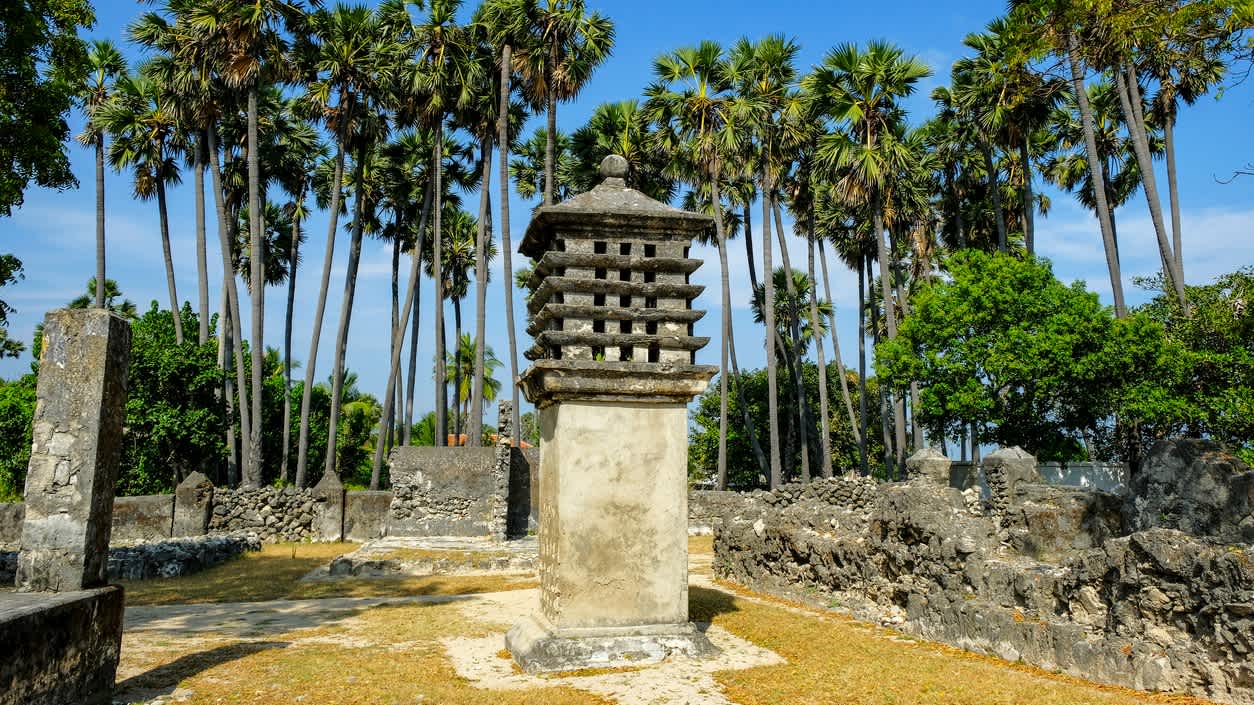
[164,679]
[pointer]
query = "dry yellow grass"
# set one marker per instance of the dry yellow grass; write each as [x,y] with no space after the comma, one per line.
[274,573]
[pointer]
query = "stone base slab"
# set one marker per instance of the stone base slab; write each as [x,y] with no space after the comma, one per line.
[59,648]
[538,647]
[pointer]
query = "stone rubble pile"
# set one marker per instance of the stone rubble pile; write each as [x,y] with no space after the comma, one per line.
[1053,576]
[160,559]
[273,513]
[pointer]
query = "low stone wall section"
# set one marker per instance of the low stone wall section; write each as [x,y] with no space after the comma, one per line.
[1196,487]
[143,518]
[11,516]
[273,513]
[365,514]
[175,557]
[444,492]
[64,646]
[1048,576]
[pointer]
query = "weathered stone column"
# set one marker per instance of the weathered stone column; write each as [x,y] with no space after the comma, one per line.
[79,409]
[612,391]
[1004,469]
[193,505]
[929,465]
[328,523]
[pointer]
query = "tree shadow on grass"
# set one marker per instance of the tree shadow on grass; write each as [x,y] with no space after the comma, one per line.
[704,604]
[164,679]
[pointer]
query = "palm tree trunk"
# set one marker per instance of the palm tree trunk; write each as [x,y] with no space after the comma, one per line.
[890,319]
[412,377]
[232,293]
[164,216]
[100,221]
[836,357]
[1130,99]
[502,140]
[202,256]
[550,144]
[753,266]
[459,425]
[794,331]
[257,275]
[772,370]
[311,363]
[398,337]
[1173,190]
[292,256]
[346,315]
[226,363]
[386,419]
[825,427]
[1029,217]
[915,427]
[862,421]
[1095,173]
[883,393]
[437,262]
[481,294]
[993,188]
[725,281]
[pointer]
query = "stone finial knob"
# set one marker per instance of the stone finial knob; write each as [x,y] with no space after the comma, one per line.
[614,167]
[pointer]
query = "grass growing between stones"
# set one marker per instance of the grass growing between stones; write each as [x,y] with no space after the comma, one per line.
[834,659]
[275,572]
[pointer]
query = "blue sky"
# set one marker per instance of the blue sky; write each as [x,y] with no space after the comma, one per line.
[53,233]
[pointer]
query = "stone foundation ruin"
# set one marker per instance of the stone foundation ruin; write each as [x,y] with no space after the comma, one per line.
[1154,590]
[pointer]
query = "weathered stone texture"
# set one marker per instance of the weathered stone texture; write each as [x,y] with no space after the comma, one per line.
[445,492]
[11,516]
[1004,469]
[328,514]
[77,442]
[1194,486]
[1158,609]
[365,514]
[273,513]
[928,464]
[59,649]
[193,505]
[143,518]
[160,559]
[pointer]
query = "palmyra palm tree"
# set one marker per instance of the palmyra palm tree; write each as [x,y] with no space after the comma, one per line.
[105,66]
[462,363]
[860,91]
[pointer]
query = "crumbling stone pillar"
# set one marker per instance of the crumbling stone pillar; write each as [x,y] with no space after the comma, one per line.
[328,523]
[928,465]
[79,409]
[1004,469]
[193,506]
[612,375]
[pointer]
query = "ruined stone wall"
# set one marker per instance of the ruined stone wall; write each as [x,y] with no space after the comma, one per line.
[142,518]
[1049,576]
[446,492]
[273,513]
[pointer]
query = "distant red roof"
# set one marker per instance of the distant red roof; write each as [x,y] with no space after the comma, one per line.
[461,440]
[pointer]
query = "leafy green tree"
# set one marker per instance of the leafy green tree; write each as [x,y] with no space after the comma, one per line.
[10,273]
[17,408]
[175,421]
[44,63]
[1031,361]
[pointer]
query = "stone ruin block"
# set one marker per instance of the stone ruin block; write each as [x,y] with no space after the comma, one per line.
[929,465]
[79,410]
[193,506]
[328,519]
[1004,469]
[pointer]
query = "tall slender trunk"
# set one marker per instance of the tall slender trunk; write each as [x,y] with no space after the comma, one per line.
[862,422]
[202,256]
[890,319]
[257,276]
[481,295]
[437,271]
[1130,99]
[346,315]
[311,363]
[226,363]
[825,427]
[995,190]
[794,331]
[164,216]
[836,357]
[412,375]
[1029,217]
[725,285]
[459,425]
[232,323]
[772,371]
[885,432]
[952,179]
[1173,190]
[293,256]
[916,428]
[753,265]
[550,144]
[1095,173]
[100,221]
[502,176]
[387,418]
[398,332]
